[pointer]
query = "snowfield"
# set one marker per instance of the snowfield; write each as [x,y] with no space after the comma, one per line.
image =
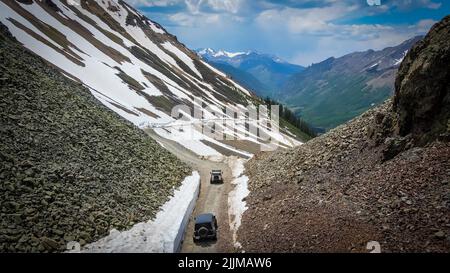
[163,234]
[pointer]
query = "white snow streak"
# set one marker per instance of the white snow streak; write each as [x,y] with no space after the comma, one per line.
[182,56]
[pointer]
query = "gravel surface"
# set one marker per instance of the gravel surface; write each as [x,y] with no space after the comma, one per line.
[336,193]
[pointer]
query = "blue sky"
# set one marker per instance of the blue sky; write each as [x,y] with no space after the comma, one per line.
[299,31]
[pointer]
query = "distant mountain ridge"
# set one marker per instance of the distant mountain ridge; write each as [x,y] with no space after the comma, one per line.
[335,90]
[265,74]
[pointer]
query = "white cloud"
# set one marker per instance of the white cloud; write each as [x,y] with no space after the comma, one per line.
[195,20]
[152,3]
[219,11]
[409,4]
[316,21]
[424,25]
[299,31]
[319,36]
[295,20]
[360,38]
[232,6]
[194,6]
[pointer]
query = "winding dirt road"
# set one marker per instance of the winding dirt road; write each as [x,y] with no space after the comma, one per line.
[212,198]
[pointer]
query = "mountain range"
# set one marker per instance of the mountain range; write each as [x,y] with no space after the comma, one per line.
[262,73]
[325,94]
[336,90]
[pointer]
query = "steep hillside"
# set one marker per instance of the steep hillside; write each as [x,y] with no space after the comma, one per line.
[70,168]
[129,63]
[271,72]
[384,176]
[244,78]
[336,90]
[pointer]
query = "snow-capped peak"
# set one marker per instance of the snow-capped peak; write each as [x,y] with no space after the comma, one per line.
[224,54]
[228,54]
[206,51]
[221,53]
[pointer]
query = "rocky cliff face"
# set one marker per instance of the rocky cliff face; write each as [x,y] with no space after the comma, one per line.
[374,178]
[70,168]
[421,103]
[422,87]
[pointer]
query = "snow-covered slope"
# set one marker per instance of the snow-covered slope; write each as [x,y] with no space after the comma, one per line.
[131,64]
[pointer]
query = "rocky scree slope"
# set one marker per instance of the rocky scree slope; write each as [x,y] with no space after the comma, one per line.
[70,168]
[384,176]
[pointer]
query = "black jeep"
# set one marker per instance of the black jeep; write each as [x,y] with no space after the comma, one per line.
[216,176]
[205,227]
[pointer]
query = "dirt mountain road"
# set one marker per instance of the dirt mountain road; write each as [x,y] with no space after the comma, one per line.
[212,198]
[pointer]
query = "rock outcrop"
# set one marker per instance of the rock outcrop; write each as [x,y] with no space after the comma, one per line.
[422,87]
[70,168]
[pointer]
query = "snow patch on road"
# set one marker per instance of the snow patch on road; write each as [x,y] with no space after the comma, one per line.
[236,205]
[164,233]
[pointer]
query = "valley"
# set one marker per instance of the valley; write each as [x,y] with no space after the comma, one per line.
[111,126]
[324,94]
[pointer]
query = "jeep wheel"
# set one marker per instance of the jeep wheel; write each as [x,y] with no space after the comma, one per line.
[203,232]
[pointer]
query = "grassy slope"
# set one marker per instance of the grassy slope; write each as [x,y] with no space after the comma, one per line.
[328,106]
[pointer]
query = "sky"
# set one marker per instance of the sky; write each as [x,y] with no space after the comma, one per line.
[298,31]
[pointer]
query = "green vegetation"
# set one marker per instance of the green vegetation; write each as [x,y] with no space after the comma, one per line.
[339,100]
[288,119]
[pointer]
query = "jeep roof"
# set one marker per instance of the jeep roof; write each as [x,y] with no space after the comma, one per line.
[216,172]
[204,218]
